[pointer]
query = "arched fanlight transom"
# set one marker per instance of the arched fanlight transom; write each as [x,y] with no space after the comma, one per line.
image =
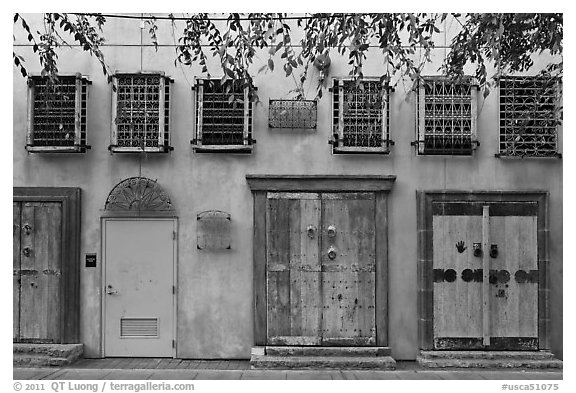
[138,194]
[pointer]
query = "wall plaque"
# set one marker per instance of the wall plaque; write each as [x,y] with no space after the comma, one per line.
[213,230]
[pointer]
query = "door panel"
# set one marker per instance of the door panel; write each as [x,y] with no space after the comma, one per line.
[293,269]
[514,305]
[138,279]
[16,271]
[348,269]
[457,303]
[40,264]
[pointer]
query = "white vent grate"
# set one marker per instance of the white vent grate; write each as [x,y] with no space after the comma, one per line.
[139,327]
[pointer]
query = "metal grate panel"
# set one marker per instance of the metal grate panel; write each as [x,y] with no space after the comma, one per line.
[528,123]
[446,117]
[142,112]
[292,114]
[361,114]
[222,120]
[138,327]
[57,113]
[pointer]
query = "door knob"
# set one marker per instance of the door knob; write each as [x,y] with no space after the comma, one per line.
[27,251]
[27,229]
[331,231]
[332,253]
[110,291]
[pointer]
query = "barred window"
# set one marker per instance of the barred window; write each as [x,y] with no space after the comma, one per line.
[446,116]
[361,116]
[223,117]
[528,117]
[57,114]
[141,113]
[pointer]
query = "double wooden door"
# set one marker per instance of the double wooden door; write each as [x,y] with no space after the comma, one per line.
[320,268]
[37,272]
[486,276]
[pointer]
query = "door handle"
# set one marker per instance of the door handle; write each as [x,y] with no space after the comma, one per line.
[477,247]
[27,251]
[331,231]
[310,230]
[494,251]
[332,253]
[110,291]
[27,229]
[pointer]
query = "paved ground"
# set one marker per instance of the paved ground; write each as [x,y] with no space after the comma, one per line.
[173,369]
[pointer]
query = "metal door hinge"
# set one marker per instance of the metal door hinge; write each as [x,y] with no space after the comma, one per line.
[173,289]
[173,235]
[173,343]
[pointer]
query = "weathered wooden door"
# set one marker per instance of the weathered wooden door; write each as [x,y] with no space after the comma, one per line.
[293,269]
[138,287]
[348,266]
[37,271]
[485,259]
[320,269]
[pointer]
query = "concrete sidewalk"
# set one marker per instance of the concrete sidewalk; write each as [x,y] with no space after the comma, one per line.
[134,369]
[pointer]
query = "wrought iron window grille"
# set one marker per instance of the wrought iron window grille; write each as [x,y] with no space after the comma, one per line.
[141,113]
[528,117]
[446,116]
[360,116]
[224,114]
[301,114]
[57,113]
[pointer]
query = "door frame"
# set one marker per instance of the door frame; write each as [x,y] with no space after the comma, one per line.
[424,201]
[103,221]
[70,199]
[260,185]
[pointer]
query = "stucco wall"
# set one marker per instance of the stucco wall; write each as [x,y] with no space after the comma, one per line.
[215,288]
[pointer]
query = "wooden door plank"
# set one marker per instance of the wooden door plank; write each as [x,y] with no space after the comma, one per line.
[486,275]
[333,214]
[473,288]
[311,268]
[444,295]
[278,278]
[29,307]
[295,269]
[16,271]
[381,274]
[48,223]
[502,321]
[53,273]
[528,261]
[259,268]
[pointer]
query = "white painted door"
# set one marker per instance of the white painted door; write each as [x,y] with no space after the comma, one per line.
[139,263]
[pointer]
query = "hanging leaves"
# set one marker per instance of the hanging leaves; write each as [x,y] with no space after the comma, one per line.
[405,41]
